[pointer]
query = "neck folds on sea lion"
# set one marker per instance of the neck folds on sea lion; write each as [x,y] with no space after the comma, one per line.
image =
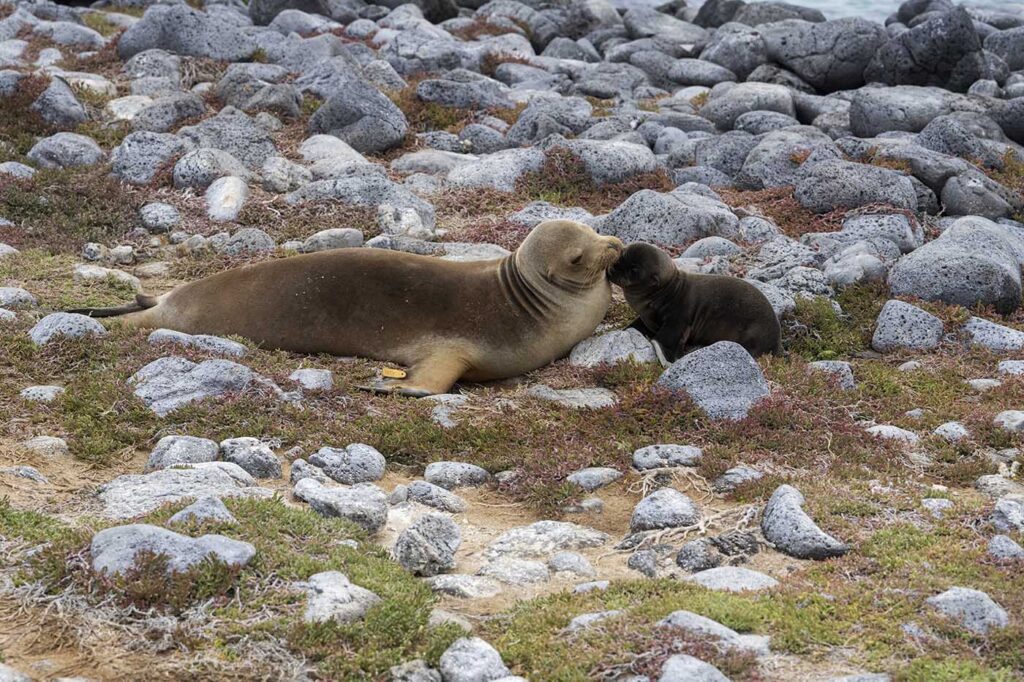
[523,293]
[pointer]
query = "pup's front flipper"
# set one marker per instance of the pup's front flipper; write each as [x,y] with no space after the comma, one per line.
[434,375]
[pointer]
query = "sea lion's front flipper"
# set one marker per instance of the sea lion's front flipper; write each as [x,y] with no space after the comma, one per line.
[431,376]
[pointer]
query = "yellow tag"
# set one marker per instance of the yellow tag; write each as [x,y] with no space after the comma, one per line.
[393,373]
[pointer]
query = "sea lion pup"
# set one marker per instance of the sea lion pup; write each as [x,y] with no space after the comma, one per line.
[443,320]
[684,311]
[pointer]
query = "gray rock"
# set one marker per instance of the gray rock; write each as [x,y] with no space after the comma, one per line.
[435,496]
[365,188]
[664,508]
[26,472]
[612,347]
[841,370]
[246,241]
[253,456]
[332,238]
[896,227]
[281,175]
[944,51]
[705,627]
[313,379]
[732,579]
[114,550]
[58,106]
[471,659]
[166,112]
[233,132]
[664,455]
[709,247]
[786,525]
[830,55]
[741,51]
[364,505]
[592,478]
[464,586]
[177,450]
[158,217]
[905,107]
[428,546]
[698,555]
[301,469]
[894,433]
[49,447]
[66,150]
[41,394]
[973,609]
[699,72]
[549,114]
[993,336]
[1008,515]
[357,463]
[610,161]
[543,538]
[166,384]
[973,261]
[586,620]
[500,170]
[514,571]
[722,379]
[725,106]
[331,597]
[673,218]
[57,326]
[200,168]
[17,170]
[361,116]
[449,475]
[16,297]
[133,495]
[184,31]
[414,671]
[1003,547]
[832,185]
[571,562]
[203,510]
[203,342]
[576,398]
[901,325]
[141,154]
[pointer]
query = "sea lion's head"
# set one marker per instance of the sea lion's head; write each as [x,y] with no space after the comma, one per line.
[568,254]
[642,268]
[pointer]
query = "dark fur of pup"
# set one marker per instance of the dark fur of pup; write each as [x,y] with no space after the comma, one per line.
[684,311]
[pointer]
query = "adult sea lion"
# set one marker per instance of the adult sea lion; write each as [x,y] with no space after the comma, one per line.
[443,320]
[684,311]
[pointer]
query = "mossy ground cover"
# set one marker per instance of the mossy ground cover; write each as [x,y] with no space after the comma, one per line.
[258,602]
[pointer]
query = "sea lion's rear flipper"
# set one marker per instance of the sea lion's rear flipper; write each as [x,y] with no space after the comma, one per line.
[142,302]
[434,375]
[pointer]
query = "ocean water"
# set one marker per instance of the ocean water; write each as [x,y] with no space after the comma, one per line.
[878,10]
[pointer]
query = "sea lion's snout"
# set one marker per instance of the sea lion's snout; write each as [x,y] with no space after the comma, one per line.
[613,251]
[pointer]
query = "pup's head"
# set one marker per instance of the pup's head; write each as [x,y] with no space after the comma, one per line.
[567,254]
[641,268]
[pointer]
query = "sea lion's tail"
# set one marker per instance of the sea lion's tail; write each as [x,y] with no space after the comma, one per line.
[142,302]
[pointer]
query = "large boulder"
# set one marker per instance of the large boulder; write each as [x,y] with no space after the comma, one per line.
[724,107]
[368,188]
[786,525]
[901,325]
[115,550]
[262,12]
[722,379]
[65,150]
[364,504]
[672,218]
[185,31]
[906,107]
[944,51]
[833,185]
[831,55]
[500,170]
[974,261]
[236,134]
[142,154]
[169,383]
[610,161]
[428,546]
[361,116]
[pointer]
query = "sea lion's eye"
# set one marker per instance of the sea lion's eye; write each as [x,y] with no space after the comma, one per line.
[578,259]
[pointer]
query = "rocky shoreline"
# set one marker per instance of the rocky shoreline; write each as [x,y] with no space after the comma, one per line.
[201,508]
